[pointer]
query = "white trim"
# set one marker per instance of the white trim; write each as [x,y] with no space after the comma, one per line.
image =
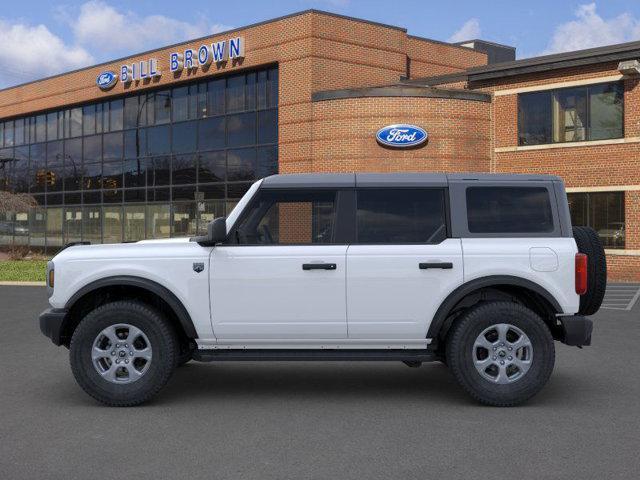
[622,253]
[612,188]
[551,86]
[588,143]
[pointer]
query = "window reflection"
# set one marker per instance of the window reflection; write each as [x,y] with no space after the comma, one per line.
[134,223]
[241,130]
[184,219]
[602,211]
[157,220]
[175,142]
[241,164]
[112,225]
[72,224]
[211,133]
[212,167]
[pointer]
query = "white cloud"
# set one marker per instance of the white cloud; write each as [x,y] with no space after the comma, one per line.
[105,29]
[591,30]
[99,32]
[28,52]
[469,31]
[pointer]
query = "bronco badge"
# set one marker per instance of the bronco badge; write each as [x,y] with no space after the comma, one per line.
[198,267]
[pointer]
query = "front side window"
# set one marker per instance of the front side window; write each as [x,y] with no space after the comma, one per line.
[289,217]
[602,211]
[400,216]
[509,210]
[593,112]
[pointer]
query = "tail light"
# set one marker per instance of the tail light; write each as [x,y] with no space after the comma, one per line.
[581,273]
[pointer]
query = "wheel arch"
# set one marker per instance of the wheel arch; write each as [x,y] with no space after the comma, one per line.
[125,286]
[489,288]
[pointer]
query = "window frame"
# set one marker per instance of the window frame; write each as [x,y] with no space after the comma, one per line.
[445,206]
[552,92]
[343,230]
[460,224]
[589,198]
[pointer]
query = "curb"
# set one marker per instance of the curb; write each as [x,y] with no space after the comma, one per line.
[23,284]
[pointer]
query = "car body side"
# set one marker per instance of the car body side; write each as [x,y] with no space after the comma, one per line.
[544,262]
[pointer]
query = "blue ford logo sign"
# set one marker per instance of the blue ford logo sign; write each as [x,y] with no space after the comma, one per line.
[401,136]
[106,80]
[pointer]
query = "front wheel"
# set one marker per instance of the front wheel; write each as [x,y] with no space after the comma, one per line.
[501,353]
[123,353]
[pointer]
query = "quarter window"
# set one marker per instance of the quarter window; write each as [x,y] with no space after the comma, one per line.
[593,112]
[509,210]
[401,216]
[289,217]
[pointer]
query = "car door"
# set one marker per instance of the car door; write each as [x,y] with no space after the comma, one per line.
[402,265]
[281,275]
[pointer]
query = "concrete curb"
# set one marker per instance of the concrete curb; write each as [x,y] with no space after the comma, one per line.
[23,284]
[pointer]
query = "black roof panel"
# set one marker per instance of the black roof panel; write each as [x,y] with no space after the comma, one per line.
[415,179]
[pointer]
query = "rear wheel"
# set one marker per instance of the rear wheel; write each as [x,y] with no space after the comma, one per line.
[501,353]
[123,353]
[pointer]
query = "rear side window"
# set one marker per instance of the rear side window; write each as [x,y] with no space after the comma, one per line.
[397,216]
[509,210]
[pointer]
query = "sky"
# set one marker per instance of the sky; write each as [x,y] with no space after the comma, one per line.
[39,38]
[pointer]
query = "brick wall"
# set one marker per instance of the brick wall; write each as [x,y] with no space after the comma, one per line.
[430,58]
[344,135]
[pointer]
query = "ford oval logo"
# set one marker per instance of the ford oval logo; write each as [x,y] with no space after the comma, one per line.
[106,80]
[401,136]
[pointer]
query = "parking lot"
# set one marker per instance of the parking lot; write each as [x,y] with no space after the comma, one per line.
[320,420]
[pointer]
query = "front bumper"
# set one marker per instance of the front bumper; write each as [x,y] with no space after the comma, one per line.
[51,324]
[576,330]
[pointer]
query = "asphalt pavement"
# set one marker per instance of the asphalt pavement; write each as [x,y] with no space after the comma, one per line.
[318,420]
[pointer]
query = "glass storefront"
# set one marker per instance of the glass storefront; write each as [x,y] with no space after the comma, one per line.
[151,165]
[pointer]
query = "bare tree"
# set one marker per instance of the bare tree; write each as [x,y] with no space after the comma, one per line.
[16,202]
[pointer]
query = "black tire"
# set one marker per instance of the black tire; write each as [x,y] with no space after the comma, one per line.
[460,353]
[164,350]
[589,243]
[185,354]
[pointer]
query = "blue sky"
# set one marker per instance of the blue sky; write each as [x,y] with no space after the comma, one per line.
[43,37]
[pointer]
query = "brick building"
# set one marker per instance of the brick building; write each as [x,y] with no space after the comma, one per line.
[159,143]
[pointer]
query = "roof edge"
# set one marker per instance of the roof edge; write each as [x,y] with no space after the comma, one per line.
[496,44]
[556,61]
[441,42]
[400,90]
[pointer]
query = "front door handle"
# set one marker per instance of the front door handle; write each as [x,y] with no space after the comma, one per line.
[442,265]
[319,266]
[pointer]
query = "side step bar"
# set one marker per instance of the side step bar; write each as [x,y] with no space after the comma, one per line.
[211,355]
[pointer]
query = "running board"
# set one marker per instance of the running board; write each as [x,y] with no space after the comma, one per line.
[208,355]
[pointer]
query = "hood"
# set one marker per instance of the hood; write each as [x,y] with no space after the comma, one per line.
[161,248]
[166,240]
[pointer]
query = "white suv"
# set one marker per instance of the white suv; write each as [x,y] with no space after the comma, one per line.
[481,272]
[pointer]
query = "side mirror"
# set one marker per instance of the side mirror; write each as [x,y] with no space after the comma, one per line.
[216,233]
[217,230]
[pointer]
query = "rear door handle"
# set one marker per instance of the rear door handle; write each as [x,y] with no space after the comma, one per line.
[442,265]
[319,266]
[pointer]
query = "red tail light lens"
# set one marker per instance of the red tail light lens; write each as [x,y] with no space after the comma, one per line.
[581,273]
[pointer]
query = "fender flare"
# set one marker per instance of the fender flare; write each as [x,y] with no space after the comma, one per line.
[491,281]
[164,293]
